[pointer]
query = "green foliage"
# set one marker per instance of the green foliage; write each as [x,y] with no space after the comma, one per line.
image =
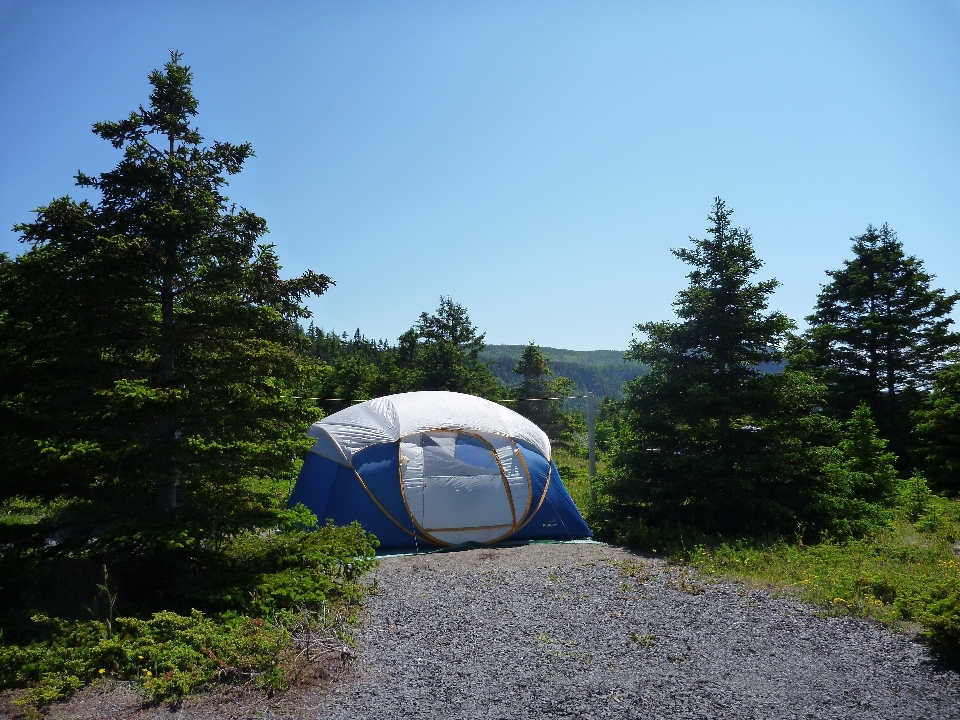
[440,352]
[170,655]
[861,479]
[575,473]
[709,439]
[301,567]
[253,589]
[915,498]
[533,367]
[938,429]
[867,458]
[149,366]
[602,372]
[586,358]
[880,332]
[355,368]
[907,572]
[450,324]
[149,426]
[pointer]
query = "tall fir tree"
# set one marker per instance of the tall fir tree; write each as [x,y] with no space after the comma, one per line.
[710,440]
[147,343]
[538,388]
[442,352]
[880,333]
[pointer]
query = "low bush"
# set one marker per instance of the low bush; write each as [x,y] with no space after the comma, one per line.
[235,612]
[168,654]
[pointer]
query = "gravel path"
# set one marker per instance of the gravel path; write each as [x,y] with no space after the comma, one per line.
[580,631]
[590,631]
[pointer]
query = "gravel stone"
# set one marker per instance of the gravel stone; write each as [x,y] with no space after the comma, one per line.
[578,631]
[562,631]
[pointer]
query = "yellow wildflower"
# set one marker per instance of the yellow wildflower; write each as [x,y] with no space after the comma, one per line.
[101,671]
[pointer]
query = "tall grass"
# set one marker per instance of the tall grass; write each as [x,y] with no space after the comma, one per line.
[575,472]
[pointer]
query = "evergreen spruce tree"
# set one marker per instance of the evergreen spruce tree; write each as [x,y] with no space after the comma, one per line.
[442,352]
[147,345]
[861,480]
[536,382]
[880,332]
[867,456]
[533,367]
[710,440]
[938,430]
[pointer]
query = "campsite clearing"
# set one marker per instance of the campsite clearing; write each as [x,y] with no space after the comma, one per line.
[584,630]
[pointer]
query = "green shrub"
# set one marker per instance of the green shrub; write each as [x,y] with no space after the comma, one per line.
[262,573]
[242,599]
[168,654]
[942,620]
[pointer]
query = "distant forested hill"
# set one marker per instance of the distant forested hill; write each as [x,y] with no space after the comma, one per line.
[602,372]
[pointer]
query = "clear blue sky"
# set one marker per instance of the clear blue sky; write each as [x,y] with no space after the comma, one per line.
[534,160]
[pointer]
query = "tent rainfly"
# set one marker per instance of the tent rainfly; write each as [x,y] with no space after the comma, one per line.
[428,469]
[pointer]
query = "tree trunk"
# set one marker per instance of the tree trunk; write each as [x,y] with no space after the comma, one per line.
[167,424]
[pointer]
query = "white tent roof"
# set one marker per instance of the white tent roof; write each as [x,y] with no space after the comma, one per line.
[387,419]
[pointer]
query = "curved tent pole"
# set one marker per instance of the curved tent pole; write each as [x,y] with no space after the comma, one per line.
[543,497]
[515,526]
[526,471]
[382,508]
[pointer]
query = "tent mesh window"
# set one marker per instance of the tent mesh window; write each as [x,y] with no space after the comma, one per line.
[461,487]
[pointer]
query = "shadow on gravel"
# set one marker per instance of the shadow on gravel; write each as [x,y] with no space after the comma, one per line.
[464,547]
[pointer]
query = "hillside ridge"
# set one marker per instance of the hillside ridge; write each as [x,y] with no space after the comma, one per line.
[582,357]
[602,372]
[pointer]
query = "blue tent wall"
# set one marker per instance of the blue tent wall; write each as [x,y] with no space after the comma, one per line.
[332,491]
[314,484]
[558,517]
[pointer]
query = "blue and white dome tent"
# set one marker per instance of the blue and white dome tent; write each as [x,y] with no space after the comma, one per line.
[429,469]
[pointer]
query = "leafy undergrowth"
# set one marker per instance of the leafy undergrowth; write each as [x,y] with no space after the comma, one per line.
[272,602]
[169,654]
[574,470]
[908,572]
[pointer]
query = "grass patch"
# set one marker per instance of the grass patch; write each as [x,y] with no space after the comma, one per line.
[574,470]
[168,654]
[646,640]
[907,572]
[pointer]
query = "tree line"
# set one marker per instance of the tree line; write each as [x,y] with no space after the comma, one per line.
[867,403]
[604,380]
